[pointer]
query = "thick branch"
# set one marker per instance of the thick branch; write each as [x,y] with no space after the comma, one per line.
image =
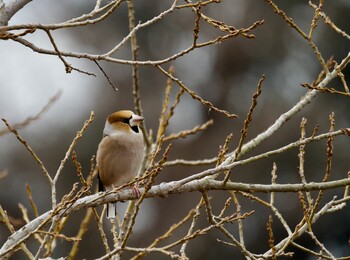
[287,115]
[9,10]
[163,190]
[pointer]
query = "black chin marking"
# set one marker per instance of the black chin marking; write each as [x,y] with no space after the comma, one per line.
[135,128]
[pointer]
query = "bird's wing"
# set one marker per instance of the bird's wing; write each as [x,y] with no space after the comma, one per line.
[100,185]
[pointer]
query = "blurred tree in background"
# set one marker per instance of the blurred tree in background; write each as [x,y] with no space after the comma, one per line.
[276,187]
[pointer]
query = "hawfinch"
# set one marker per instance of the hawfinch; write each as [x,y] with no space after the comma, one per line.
[119,154]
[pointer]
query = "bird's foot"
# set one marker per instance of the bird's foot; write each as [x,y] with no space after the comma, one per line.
[136,190]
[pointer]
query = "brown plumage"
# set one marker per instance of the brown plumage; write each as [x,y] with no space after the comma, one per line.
[119,154]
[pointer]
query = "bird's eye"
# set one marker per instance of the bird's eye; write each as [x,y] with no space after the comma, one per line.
[125,120]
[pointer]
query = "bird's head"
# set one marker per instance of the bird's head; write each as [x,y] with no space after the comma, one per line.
[124,121]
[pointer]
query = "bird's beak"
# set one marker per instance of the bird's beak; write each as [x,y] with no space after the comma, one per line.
[135,120]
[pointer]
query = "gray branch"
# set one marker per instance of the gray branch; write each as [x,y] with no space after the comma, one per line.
[161,190]
[8,10]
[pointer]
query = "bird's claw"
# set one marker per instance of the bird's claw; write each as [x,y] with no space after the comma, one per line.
[136,191]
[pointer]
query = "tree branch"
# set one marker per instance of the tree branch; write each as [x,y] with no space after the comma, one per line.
[287,115]
[10,9]
[162,190]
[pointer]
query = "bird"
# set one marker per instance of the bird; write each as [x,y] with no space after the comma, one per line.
[120,152]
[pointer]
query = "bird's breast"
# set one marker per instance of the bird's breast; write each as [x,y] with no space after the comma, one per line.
[119,158]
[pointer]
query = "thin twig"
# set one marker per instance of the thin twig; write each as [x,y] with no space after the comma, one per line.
[292,24]
[192,131]
[191,228]
[249,117]
[273,181]
[37,116]
[75,22]
[328,21]
[328,163]
[6,220]
[271,238]
[239,221]
[93,57]
[191,214]
[196,96]
[342,77]
[302,159]
[82,230]
[31,151]
[164,116]
[66,157]
[66,65]
[326,90]
[31,200]
[106,76]
[196,25]
[323,248]
[287,115]
[315,18]
[272,207]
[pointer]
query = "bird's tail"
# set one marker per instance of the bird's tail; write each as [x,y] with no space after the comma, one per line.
[111,207]
[111,210]
[100,185]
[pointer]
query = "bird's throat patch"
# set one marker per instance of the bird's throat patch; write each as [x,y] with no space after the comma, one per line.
[135,128]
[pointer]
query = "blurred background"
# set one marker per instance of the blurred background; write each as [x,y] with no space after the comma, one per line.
[225,74]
